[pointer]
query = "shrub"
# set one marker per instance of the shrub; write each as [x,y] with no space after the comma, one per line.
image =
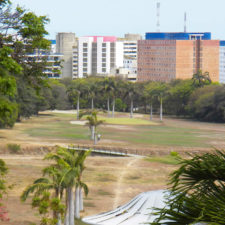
[13,148]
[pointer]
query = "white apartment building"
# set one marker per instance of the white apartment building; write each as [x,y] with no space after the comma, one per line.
[222,62]
[129,69]
[53,60]
[97,55]
[130,49]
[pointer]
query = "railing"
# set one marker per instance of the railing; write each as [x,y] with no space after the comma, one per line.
[123,153]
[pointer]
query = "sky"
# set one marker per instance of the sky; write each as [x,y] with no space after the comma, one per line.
[117,17]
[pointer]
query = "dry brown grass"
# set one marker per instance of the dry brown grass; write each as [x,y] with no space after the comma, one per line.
[112,182]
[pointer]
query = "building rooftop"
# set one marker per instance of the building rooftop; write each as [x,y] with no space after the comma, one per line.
[178,36]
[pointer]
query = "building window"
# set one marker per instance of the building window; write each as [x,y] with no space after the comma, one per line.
[85,44]
[103,70]
[103,64]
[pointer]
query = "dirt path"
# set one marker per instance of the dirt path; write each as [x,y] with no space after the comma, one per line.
[119,190]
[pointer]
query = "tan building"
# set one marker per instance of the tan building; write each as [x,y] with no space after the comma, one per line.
[164,60]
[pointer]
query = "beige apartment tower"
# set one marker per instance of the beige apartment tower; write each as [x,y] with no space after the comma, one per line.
[64,45]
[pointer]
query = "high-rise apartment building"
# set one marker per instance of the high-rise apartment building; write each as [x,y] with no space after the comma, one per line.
[222,62]
[97,55]
[167,56]
[64,45]
[129,69]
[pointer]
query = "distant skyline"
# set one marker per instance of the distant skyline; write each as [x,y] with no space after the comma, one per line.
[117,17]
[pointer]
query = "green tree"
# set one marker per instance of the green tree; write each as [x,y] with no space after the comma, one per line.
[21,33]
[3,189]
[207,103]
[53,182]
[200,79]
[178,96]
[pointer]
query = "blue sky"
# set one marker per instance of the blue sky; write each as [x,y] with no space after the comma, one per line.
[116,17]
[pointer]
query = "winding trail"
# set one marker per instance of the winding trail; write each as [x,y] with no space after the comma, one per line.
[122,175]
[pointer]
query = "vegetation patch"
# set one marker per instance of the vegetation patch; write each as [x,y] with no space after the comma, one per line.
[167,159]
[13,148]
[127,121]
[102,192]
[89,204]
[105,178]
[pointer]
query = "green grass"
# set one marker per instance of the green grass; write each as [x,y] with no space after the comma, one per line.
[79,222]
[138,132]
[158,135]
[101,192]
[126,121]
[167,159]
[61,130]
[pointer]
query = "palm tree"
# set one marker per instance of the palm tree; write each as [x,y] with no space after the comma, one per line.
[105,90]
[131,92]
[197,191]
[92,89]
[79,184]
[67,159]
[77,88]
[157,89]
[52,182]
[93,123]
[200,79]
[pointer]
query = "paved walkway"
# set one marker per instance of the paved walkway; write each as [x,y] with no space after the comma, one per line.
[136,212]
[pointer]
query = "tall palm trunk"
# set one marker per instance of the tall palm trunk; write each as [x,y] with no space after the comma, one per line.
[71,206]
[95,139]
[78,107]
[150,111]
[92,103]
[59,219]
[56,215]
[113,107]
[77,204]
[131,108]
[66,220]
[92,132]
[108,107]
[81,199]
[161,109]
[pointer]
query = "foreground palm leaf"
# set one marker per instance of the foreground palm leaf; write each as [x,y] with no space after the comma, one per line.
[197,191]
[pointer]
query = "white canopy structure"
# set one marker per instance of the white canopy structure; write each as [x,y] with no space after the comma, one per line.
[138,211]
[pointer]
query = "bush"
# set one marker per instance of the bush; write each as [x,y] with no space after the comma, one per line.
[13,148]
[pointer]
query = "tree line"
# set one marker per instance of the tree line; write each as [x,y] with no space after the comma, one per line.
[21,80]
[196,98]
[25,90]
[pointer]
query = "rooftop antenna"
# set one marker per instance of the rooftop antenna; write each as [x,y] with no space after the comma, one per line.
[185,22]
[158,17]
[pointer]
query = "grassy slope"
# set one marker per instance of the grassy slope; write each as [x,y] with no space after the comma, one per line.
[138,131]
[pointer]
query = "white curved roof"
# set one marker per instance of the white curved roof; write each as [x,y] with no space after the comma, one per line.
[137,211]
